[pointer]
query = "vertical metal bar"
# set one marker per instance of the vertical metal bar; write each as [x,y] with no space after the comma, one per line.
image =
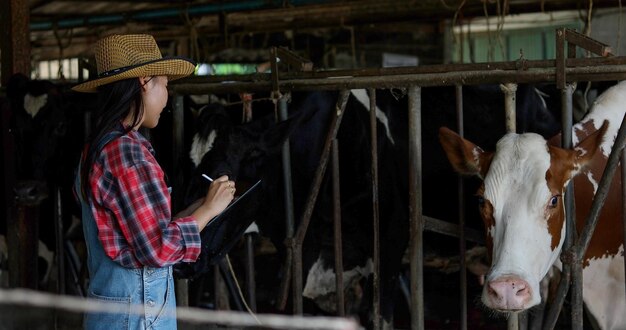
[296,287]
[570,232]
[509,90]
[522,320]
[283,290]
[60,251]
[289,212]
[375,211]
[178,123]
[416,219]
[576,268]
[461,195]
[560,58]
[250,280]
[337,229]
[623,164]
[286,161]
[182,285]
[308,211]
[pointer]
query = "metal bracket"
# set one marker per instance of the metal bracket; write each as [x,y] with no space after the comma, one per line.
[573,39]
[291,59]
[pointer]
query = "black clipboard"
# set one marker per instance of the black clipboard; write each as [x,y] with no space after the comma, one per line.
[223,232]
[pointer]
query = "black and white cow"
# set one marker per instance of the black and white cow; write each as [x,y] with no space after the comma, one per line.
[46,125]
[248,153]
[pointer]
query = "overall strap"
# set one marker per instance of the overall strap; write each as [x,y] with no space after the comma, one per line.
[110,136]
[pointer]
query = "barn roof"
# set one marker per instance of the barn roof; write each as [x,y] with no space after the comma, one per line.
[75,24]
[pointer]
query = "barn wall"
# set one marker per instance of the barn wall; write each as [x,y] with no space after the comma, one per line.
[609,28]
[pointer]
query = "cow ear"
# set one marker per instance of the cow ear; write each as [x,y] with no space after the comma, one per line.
[466,157]
[587,148]
[274,137]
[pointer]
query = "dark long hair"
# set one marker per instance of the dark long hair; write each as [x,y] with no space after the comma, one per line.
[116,101]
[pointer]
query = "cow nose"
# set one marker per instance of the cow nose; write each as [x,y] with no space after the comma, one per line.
[508,293]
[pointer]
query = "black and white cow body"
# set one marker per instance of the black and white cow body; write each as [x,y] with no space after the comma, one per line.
[46,125]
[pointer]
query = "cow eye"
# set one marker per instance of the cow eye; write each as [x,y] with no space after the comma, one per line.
[554,201]
[481,201]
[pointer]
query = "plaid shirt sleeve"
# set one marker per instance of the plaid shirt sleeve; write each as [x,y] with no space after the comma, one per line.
[134,211]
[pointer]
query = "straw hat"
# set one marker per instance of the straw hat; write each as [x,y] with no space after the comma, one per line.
[121,57]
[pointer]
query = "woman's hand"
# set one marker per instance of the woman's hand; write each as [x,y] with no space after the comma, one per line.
[221,192]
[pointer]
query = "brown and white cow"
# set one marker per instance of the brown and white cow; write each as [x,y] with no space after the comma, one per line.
[522,207]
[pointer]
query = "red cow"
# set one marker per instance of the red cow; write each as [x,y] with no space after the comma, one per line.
[522,208]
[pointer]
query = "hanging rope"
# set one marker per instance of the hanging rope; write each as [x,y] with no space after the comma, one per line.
[490,50]
[243,299]
[619,26]
[458,39]
[62,46]
[501,11]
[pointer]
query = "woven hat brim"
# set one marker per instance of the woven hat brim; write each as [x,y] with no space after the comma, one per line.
[173,68]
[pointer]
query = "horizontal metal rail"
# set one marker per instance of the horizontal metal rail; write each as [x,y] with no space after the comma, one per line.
[473,77]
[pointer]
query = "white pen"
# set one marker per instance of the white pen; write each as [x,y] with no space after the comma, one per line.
[207,177]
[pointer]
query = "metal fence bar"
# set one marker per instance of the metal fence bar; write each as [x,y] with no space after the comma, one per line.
[289,211]
[511,66]
[31,298]
[623,164]
[375,210]
[566,142]
[415,208]
[461,198]
[598,69]
[337,229]
[509,91]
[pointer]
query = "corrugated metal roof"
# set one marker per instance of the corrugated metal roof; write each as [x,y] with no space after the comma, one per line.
[79,23]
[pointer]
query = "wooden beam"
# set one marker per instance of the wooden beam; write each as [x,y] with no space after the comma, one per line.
[15,41]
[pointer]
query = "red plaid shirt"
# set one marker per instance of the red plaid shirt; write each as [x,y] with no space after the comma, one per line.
[132,208]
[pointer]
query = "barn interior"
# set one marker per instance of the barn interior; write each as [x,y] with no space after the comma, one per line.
[51,40]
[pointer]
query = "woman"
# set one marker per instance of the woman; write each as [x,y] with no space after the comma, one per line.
[132,241]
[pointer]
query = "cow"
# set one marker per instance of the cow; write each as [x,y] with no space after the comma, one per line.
[241,151]
[46,125]
[521,204]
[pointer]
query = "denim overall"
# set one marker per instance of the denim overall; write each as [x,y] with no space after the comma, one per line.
[145,295]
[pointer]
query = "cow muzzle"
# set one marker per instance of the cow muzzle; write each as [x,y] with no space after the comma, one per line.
[507,293]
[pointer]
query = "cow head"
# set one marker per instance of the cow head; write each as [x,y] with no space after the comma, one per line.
[223,147]
[520,201]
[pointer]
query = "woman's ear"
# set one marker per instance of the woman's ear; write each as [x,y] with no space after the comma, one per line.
[143,81]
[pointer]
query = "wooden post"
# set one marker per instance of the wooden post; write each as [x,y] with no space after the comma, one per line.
[15,40]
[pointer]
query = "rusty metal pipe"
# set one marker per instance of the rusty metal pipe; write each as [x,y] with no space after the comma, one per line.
[461,198]
[623,164]
[337,229]
[416,219]
[475,77]
[375,208]
[250,280]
